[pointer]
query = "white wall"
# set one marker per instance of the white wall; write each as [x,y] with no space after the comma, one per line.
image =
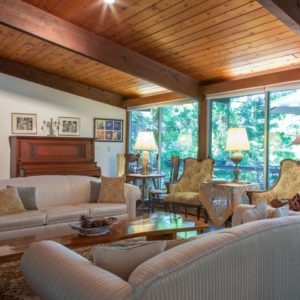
[20,96]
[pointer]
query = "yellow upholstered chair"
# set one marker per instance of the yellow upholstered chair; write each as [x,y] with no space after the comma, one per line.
[286,186]
[185,191]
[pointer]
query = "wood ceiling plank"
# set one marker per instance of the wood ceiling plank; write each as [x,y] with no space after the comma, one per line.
[254,49]
[216,30]
[50,80]
[16,14]
[164,19]
[192,28]
[286,11]
[245,30]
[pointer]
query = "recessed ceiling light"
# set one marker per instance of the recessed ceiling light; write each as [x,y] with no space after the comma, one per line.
[109,1]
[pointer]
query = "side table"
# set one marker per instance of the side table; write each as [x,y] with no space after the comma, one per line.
[145,178]
[220,198]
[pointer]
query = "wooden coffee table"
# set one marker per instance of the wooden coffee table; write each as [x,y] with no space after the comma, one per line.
[155,226]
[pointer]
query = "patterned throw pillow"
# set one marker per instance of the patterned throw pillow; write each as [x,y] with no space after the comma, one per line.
[10,201]
[112,190]
[294,203]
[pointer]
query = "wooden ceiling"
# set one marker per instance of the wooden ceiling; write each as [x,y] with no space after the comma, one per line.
[194,42]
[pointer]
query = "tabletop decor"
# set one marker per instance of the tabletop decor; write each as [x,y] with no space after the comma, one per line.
[237,140]
[89,227]
[145,141]
[108,130]
[23,123]
[50,126]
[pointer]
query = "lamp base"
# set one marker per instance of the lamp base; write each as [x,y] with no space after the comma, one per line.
[145,163]
[236,158]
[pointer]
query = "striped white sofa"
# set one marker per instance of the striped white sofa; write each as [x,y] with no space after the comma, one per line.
[257,260]
[60,201]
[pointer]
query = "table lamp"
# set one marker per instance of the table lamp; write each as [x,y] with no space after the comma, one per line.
[237,140]
[145,141]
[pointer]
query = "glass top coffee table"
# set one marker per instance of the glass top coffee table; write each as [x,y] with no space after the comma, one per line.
[155,226]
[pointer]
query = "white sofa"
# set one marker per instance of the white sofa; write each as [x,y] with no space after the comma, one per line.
[60,201]
[257,260]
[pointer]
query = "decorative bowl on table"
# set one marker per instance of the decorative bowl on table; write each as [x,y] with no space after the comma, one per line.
[91,227]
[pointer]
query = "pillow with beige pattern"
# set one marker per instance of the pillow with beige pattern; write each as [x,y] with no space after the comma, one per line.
[112,190]
[10,201]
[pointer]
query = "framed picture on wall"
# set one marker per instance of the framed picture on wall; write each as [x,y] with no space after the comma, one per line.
[108,130]
[68,126]
[23,123]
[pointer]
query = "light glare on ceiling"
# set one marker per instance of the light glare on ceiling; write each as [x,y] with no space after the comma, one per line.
[109,1]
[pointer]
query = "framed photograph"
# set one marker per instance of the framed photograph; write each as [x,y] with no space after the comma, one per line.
[68,126]
[23,123]
[108,130]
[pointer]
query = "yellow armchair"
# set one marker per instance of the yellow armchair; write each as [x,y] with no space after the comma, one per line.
[185,191]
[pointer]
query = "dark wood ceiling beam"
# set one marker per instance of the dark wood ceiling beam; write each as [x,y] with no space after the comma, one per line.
[29,19]
[154,99]
[252,82]
[22,71]
[287,11]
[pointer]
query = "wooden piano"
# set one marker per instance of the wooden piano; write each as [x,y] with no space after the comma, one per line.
[43,155]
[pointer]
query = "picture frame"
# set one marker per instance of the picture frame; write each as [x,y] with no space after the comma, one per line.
[108,130]
[23,123]
[68,126]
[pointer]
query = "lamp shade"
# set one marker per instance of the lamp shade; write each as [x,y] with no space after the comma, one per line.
[237,139]
[145,141]
[296,141]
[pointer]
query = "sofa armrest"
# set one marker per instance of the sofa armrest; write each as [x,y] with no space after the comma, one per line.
[132,194]
[55,272]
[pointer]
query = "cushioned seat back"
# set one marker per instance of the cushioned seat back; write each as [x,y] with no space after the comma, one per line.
[287,185]
[55,189]
[80,188]
[245,262]
[193,174]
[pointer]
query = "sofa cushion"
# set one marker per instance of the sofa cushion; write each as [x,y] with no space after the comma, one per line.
[122,257]
[22,219]
[183,197]
[27,195]
[10,201]
[63,213]
[258,212]
[112,190]
[95,191]
[105,209]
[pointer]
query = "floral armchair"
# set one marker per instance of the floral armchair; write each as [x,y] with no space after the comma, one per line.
[286,186]
[185,191]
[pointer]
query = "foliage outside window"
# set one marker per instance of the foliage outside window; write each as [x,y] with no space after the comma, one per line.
[178,132]
[244,111]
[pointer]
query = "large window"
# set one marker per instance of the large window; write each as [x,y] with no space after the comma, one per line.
[175,128]
[284,126]
[245,111]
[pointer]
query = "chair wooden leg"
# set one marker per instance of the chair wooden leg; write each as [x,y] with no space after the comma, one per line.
[185,212]
[205,216]
[166,207]
[198,212]
[174,208]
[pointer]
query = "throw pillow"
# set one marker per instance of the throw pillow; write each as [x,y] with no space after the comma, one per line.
[123,259]
[95,191]
[282,211]
[294,203]
[112,190]
[258,212]
[10,201]
[27,196]
[278,202]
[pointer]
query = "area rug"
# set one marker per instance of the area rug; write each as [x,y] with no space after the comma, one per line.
[13,285]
